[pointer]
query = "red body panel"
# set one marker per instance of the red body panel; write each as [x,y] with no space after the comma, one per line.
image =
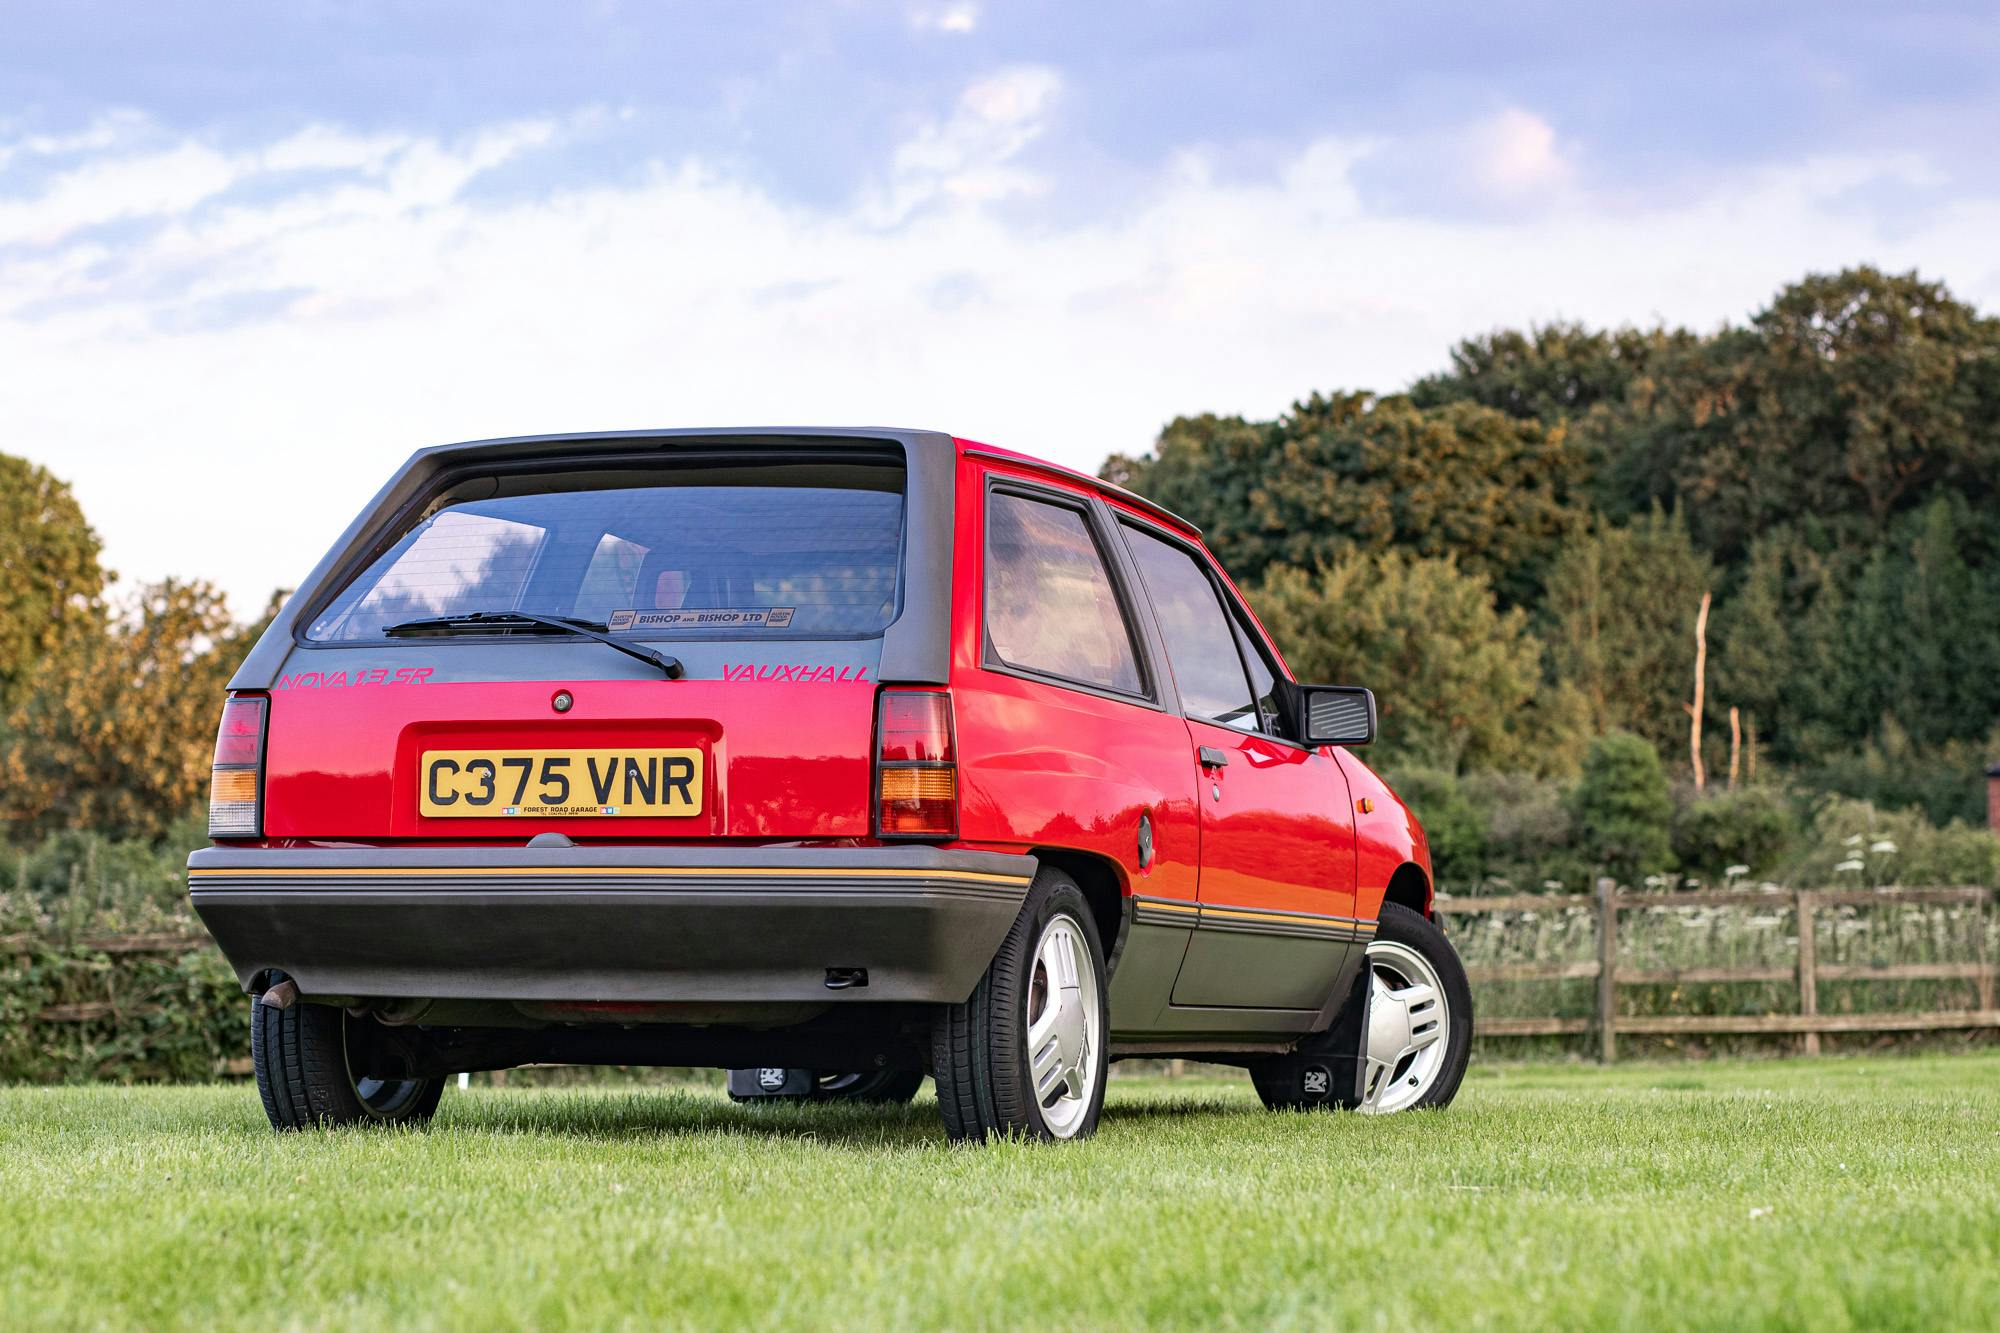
[784,759]
[1280,835]
[1045,766]
[1387,838]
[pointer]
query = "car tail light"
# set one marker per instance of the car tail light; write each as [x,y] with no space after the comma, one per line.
[916,778]
[236,787]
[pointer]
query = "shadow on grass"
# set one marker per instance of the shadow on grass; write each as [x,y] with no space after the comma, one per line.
[654,1113]
[1177,1108]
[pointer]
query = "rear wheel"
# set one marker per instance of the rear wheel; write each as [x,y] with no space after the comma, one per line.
[1026,1055]
[300,1054]
[1418,1038]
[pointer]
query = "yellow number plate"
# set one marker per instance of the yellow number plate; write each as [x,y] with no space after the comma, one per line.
[598,784]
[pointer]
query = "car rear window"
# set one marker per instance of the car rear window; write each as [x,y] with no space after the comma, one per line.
[669,552]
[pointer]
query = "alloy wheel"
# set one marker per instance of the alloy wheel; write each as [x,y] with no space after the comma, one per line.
[1409,1020]
[1064,1022]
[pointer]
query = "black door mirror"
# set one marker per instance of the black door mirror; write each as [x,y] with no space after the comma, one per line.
[1335,714]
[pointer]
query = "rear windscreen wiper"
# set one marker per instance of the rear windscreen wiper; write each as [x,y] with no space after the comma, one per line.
[479,622]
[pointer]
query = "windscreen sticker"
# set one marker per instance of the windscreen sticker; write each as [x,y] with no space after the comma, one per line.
[717,617]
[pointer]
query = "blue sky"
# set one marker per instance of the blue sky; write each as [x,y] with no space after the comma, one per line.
[251,255]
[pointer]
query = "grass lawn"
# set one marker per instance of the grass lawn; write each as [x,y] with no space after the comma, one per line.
[1845,1192]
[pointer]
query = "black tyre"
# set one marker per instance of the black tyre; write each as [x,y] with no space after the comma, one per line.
[1026,1055]
[887,1087]
[300,1055]
[1415,1045]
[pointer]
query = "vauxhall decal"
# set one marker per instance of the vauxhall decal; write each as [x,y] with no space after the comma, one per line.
[801,673]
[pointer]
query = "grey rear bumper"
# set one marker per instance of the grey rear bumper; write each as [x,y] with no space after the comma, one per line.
[611,924]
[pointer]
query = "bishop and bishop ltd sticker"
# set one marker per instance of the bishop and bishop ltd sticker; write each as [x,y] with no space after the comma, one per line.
[720,617]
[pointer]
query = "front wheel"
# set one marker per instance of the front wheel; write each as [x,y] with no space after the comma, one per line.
[1026,1055]
[300,1054]
[1417,1040]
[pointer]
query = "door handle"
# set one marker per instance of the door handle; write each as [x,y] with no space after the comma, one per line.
[1213,758]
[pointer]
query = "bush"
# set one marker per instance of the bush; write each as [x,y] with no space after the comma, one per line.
[1456,830]
[1621,807]
[172,1014]
[1530,837]
[1946,781]
[1857,843]
[1751,827]
[1459,681]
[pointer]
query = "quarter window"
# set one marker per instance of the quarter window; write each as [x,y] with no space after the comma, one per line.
[1263,680]
[1050,606]
[1201,638]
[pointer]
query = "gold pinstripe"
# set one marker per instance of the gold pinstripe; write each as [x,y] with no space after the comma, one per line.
[1303,920]
[1288,918]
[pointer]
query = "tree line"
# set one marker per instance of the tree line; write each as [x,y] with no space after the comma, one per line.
[108,705]
[1516,551]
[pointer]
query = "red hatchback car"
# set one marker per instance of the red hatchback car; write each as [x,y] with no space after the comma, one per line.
[837,758]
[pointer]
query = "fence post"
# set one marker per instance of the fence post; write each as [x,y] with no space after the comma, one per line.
[1984,984]
[1607,969]
[1808,967]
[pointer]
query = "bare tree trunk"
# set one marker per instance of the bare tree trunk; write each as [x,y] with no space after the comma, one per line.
[1700,686]
[1735,744]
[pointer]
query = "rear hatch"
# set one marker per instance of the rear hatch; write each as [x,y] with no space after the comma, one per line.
[745,595]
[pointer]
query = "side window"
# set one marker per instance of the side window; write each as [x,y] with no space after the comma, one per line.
[1263,680]
[1200,635]
[1050,606]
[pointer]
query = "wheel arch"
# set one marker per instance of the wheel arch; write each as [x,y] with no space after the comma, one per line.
[1410,887]
[1103,888]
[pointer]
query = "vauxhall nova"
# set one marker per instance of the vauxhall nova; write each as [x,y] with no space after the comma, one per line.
[837,758]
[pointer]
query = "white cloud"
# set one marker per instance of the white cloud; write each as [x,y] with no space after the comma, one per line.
[1516,151]
[957,19]
[227,381]
[969,158]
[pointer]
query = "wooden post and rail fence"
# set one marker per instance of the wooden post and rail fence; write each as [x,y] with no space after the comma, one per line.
[1606,1023]
[1808,972]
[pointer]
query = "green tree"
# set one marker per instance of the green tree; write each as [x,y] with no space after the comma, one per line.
[1350,473]
[117,724]
[1620,614]
[1753,662]
[1622,813]
[1554,373]
[1458,682]
[1211,471]
[53,579]
[1851,398]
